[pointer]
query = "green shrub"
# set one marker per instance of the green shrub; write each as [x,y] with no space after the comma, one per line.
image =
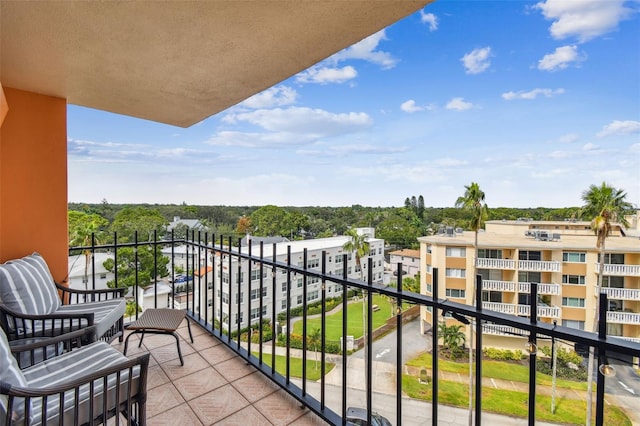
[312,309]
[503,354]
[295,341]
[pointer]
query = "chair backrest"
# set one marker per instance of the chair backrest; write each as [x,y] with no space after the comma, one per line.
[10,374]
[27,286]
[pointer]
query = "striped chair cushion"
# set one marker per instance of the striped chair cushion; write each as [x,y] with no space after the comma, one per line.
[27,287]
[74,365]
[9,373]
[106,312]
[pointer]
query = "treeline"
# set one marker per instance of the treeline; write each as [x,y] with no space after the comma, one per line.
[398,226]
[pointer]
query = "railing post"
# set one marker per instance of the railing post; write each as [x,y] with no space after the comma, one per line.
[398,346]
[533,315]
[345,297]
[304,321]
[434,344]
[602,357]
[323,337]
[369,340]
[478,387]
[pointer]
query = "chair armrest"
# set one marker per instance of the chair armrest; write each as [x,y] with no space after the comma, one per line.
[71,295]
[13,321]
[141,361]
[31,351]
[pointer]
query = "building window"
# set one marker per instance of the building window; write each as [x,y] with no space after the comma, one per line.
[573,324]
[338,259]
[613,258]
[456,273]
[241,298]
[456,252]
[299,299]
[429,269]
[529,277]
[313,263]
[255,293]
[492,296]
[284,287]
[283,304]
[239,317]
[429,288]
[300,282]
[256,312]
[529,255]
[576,257]
[255,274]
[573,279]
[428,248]
[455,293]
[312,295]
[489,254]
[103,276]
[574,302]
[614,282]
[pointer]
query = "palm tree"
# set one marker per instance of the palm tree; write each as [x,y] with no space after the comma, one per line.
[85,229]
[358,244]
[473,202]
[314,340]
[604,205]
[452,338]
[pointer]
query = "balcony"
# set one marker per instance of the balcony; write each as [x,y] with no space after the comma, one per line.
[522,310]
[225,379]
[539,265]
[493,285]
[623,317]
[543,288]
[486,263]
[621,293]
[620,270]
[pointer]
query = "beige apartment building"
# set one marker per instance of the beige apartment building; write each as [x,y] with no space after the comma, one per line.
[561,256]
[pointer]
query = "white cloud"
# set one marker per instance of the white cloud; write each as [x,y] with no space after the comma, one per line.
[289,126]
[590,147]
[477,60]
[410,106]
[272,97]
[558,155]
[532,94]
[560,59]
[366,51]
[568,138]
[618,127]
[325,75]
[635,148]
[429,18]
[459,104]
[583,19]
[345,150]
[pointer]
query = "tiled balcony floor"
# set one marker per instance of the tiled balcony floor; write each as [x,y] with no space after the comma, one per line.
[214,387]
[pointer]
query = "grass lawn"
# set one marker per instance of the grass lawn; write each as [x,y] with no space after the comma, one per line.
[354,319]
[497,370]
[511,403]
[296,366]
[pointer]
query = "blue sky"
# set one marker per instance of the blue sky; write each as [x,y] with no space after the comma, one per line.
[534,100]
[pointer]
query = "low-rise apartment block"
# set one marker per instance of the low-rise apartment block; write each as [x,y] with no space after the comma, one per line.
[561,256]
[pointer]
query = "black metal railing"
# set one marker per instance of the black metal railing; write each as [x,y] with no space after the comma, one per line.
[221,301]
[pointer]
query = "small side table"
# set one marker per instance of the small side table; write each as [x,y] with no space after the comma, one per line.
[159,321]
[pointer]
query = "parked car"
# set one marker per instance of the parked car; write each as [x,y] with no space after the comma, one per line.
[358,416]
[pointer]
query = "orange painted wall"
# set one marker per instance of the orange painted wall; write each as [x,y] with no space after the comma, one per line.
[33,179]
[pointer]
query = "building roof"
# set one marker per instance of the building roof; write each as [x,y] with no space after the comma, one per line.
[176,62]
[406,253]
[77,264]
[503,240]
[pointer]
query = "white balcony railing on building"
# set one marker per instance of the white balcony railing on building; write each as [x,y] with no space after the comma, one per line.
[495,263]
[539,265]
[628,339]
[543,311]
[543,288]
[505,308]
[502,330]
[621,293]
[620,270]
[494,285]
[623,317]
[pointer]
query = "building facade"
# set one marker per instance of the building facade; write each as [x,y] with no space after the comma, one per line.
[410,260]
[560,256]
[237,284]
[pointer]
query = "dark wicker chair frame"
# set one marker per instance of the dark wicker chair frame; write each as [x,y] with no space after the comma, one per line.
[124,397]
[20,326]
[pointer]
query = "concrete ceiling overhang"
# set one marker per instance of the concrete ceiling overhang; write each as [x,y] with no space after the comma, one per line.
[176,62]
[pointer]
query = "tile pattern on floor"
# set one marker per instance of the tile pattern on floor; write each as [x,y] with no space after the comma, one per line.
[214,387]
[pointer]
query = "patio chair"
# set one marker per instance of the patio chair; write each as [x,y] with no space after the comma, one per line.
[33,305]
[84,386]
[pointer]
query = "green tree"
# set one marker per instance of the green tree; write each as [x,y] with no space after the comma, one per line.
[313,339]
[144,220]
[132,308]
[604,205]
[401,228]
[84,227]
[473,202]
[452,338]
[127,266]
[269,221]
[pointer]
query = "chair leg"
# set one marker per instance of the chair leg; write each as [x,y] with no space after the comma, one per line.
[179,351]
[189,327]
[141,337]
